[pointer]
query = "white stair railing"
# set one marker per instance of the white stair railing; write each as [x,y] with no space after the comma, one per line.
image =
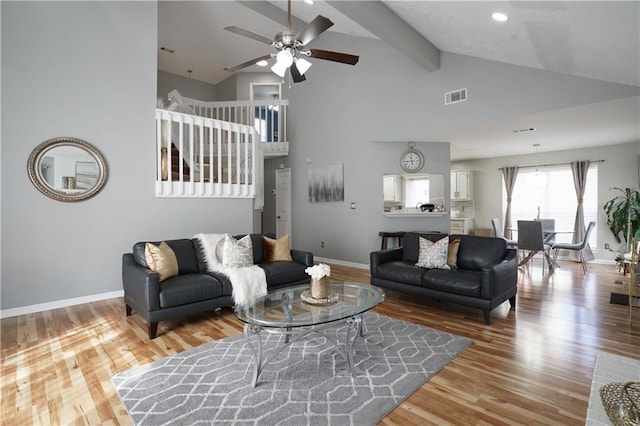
[225,157]
[269,117]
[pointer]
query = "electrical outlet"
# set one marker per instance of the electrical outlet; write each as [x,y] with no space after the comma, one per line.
[607,246]
[321,244]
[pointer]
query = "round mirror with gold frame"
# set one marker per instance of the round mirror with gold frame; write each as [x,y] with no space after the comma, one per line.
[67,169]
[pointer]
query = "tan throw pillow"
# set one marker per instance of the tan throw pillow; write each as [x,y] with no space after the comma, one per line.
[452,255]
[237,253]
[162,260]
[279,249]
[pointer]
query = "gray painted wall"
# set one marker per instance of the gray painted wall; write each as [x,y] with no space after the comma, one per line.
[190,88]
[87,70]
[619,169]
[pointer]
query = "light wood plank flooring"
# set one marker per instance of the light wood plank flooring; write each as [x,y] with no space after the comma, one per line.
[531,366]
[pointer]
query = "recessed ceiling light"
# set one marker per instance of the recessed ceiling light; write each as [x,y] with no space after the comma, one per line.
[262,63]
[308,1]
[500,17]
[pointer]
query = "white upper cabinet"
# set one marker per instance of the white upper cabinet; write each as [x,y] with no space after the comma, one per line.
[393,188]
[462,185]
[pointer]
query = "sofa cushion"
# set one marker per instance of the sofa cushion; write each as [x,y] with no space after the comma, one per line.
[227,288]
[279,249]
[476,253]
[162,260]
[183,248]
[189,288]
[466,283]
[411,244]
[283,272]
[401,271]
[433,255]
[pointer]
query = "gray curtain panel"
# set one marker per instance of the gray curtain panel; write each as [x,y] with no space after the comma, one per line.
[509,174]
[580,170]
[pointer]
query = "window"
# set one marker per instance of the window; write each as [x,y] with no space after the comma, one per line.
[416,191]
[550,192]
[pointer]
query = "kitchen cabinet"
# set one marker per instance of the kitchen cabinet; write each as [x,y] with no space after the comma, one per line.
[392,187]
[461,226]
[462,185]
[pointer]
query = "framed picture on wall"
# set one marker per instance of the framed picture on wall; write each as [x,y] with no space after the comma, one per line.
[326,183]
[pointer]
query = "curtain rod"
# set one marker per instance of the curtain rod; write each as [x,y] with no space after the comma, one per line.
[549,165]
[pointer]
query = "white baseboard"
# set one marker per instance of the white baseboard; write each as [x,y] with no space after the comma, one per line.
[342,262]
[24,310]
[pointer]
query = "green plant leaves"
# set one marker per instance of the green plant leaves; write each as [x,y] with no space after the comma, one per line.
[623,215]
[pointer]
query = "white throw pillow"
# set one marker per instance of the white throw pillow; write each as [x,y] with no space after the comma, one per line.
[433,255]
[237,253]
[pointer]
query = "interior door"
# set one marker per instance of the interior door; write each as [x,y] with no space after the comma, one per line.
[283,202]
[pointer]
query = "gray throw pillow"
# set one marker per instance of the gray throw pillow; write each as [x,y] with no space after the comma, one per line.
[433,255]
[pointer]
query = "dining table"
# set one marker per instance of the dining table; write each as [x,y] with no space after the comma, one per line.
[547,237]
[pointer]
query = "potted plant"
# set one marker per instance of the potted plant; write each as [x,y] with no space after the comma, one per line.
[623,218]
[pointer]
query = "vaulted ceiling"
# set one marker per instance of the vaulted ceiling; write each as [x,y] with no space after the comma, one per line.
[593,39]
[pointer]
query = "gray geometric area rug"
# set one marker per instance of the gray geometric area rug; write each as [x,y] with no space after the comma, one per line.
[307,383]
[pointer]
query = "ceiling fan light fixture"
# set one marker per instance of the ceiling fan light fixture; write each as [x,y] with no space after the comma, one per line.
[303,65]
[279,69]
[284,58]
[499,17]
[262,63]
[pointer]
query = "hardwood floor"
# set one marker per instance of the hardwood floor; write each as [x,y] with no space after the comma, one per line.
[531,366]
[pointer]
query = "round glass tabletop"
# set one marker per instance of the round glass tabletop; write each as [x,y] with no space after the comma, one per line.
[284,307]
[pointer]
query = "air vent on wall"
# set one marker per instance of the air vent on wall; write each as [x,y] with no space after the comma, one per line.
[525,130]
[455,96]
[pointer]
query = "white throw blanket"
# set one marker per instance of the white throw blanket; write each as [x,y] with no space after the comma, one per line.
[248,282]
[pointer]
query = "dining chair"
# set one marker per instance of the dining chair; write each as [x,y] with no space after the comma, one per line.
[497,229]
[579,247]
[531,240]
[548,230]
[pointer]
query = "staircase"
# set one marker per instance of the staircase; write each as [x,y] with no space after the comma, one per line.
[268,117]
[207,158]
[217,149]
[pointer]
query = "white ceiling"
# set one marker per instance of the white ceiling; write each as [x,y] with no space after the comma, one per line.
[594,39]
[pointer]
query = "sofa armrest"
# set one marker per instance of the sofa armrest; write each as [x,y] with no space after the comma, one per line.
[304,257]
[500,277]
[140,284]
[383,256]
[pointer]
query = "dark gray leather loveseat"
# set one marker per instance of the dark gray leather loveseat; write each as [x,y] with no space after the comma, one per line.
[486,274]
[194,289]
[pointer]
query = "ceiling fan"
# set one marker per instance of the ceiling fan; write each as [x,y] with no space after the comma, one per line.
[291,48]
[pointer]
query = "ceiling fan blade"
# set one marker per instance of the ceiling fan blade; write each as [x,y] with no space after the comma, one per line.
[313,29]
[248,63]
[247,33]
[334,56]
[295,74]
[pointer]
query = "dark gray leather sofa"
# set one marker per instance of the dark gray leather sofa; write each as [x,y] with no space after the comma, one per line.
[194,289]
[486,274]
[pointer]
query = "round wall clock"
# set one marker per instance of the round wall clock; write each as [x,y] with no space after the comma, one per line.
[411,160]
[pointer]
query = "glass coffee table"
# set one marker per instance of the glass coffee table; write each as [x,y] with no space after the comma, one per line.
[282,311]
